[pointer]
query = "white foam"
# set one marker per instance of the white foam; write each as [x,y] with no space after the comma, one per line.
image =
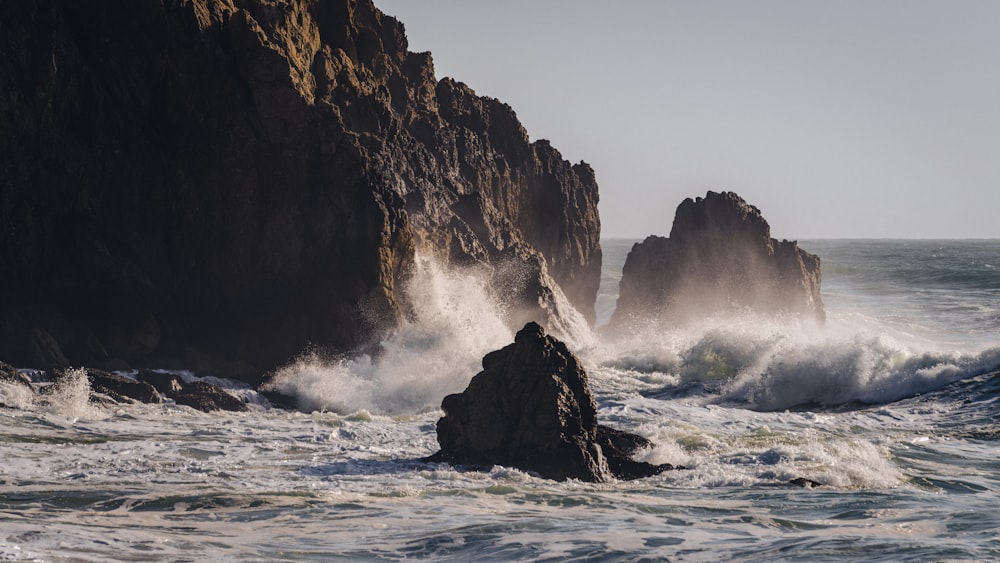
[728,447]
[775,364]
[455,323]
[16,396]
[70,397]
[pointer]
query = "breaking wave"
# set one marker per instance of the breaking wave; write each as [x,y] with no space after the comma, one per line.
[777,364]
[455,322]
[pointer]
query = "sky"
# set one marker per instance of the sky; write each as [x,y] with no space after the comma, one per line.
[837,119]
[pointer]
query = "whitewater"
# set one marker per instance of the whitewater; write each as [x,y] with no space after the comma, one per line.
[892,407]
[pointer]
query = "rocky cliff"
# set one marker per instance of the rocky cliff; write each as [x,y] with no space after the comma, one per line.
[719,258]
[224,182]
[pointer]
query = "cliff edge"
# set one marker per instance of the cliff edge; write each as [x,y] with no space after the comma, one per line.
[220,183]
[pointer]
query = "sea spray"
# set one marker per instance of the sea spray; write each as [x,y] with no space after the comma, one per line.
[775,364]
[914,479]
[455,322]
[69,396]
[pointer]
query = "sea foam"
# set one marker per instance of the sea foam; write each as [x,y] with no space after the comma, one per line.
[455,322]
[774,364]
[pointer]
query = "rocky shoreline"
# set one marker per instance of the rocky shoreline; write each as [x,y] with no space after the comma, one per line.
[219,185]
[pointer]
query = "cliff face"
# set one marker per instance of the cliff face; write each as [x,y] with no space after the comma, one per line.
[213,181]
[719,258]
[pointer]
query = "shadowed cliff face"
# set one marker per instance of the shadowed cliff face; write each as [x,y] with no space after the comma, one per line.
[719,258]
[217,184]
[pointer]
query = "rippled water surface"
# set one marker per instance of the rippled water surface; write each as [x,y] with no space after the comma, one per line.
[892,408]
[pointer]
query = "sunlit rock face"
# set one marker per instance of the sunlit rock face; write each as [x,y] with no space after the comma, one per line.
[216,184]
[719,258]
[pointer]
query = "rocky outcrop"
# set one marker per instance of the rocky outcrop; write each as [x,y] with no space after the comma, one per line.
[122,389]
[199,395]
[10,375]
[531,408]
[719,258]
[231,180]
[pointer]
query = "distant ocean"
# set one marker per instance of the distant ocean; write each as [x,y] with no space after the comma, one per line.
[893,407]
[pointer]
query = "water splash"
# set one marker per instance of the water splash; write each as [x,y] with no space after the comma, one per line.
[455,322]
[16,396]
[69,396]
[774,364]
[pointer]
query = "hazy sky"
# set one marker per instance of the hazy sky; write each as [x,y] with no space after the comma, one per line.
[835,118]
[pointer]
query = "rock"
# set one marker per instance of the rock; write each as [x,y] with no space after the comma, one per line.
[9,374]
[531,408]
[168,384]
[120,388]
[245,178]
[106,389]
[199,395]
[805,483]
[719,258]
[207,397]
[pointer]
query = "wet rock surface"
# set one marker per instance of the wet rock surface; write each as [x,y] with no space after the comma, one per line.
[199,395]
[719,258]
[531,408]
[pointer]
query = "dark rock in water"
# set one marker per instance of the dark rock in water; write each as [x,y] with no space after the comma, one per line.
[199,395]
[277,399]
[719,258]
[242,178]
[805,483]
[122,388]
[10,376]
[207,397]
[531,408]
[167,383]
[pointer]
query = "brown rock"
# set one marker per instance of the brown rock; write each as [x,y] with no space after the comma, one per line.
[121,388]
[199,395]
[719,258]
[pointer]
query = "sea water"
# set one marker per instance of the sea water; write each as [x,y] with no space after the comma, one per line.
[892,407]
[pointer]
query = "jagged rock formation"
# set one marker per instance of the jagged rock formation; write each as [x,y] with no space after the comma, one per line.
[719,258]
[199,395]
[531,408]
[120,388]
[190,183]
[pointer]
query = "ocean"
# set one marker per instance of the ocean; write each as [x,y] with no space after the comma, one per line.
[892,407]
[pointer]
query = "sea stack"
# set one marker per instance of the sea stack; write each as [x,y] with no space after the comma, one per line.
[719,259]
[217,184]
[531,408]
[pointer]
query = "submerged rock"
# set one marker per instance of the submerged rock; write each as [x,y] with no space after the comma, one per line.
[243,178]
[719,258]
[531,408]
